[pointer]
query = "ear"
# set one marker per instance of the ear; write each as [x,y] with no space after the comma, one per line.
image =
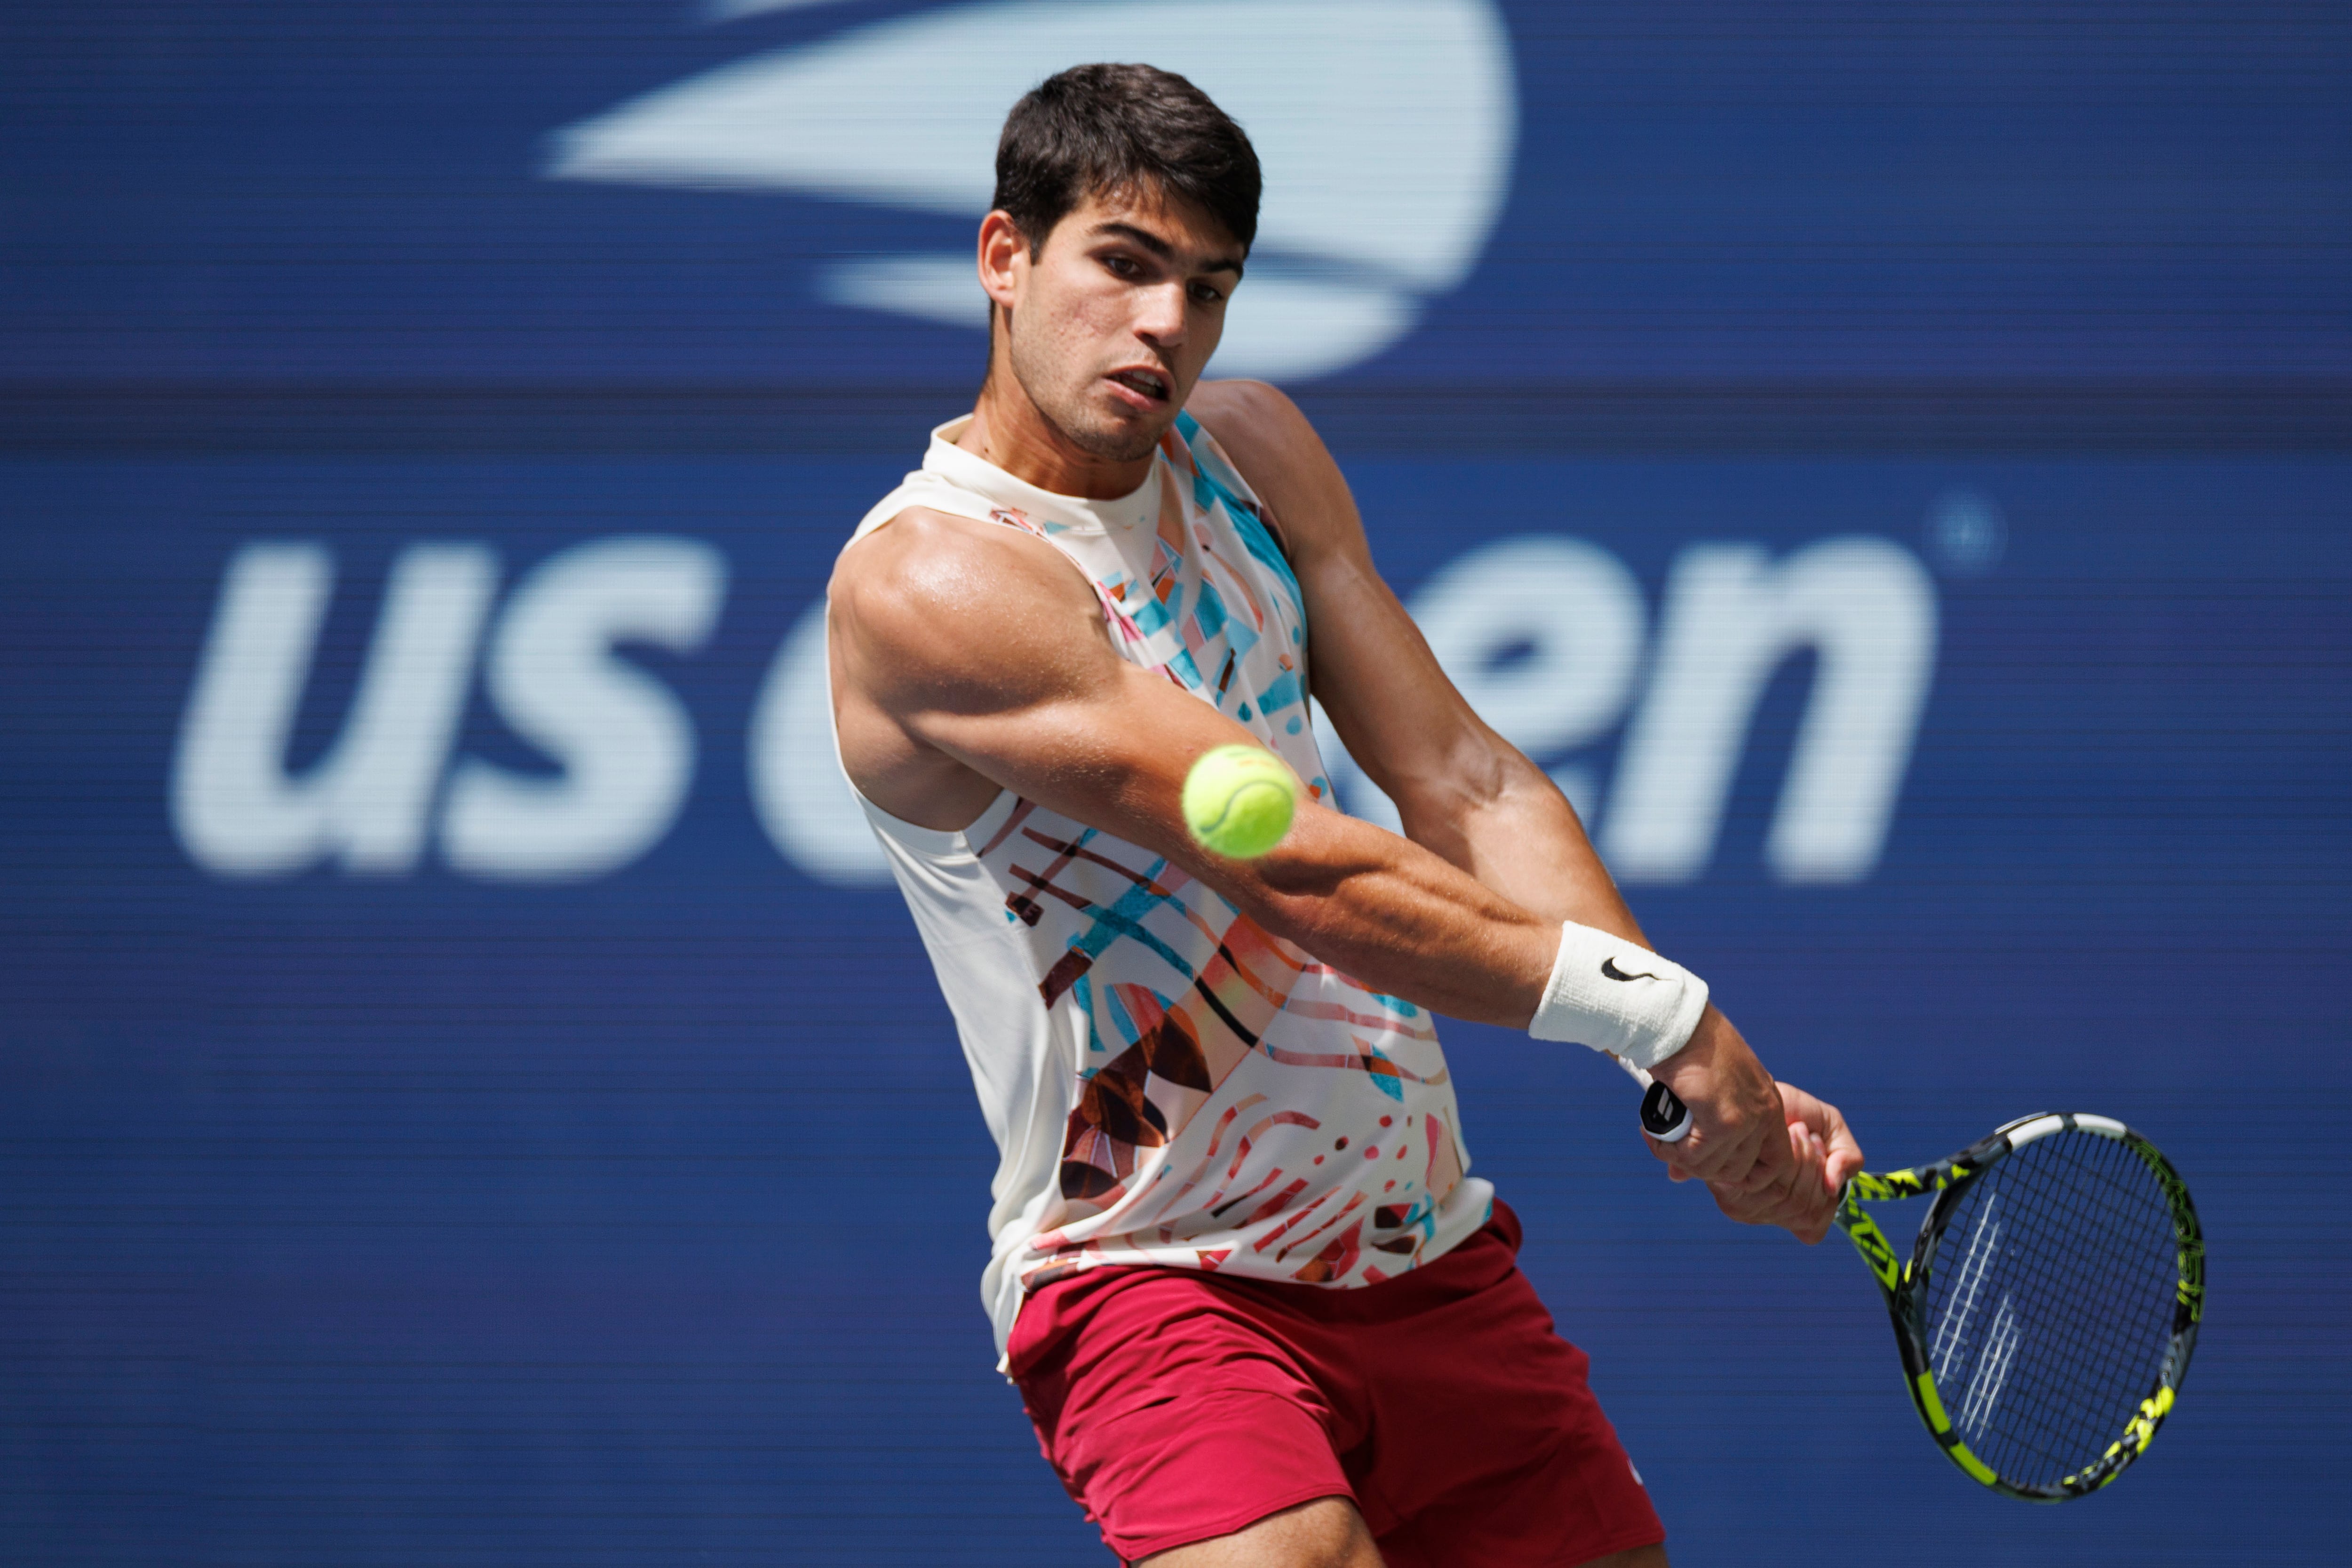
[1003,257]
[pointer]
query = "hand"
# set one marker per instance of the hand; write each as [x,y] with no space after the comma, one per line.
[1824,1155]
[1736,1116]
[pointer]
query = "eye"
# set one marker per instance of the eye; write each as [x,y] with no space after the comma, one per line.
[1206,294]
[1121,266]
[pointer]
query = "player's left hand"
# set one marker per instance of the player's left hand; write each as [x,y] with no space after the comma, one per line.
[1801,1200]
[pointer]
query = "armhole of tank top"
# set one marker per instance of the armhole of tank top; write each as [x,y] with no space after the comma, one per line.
[944,843]
[1188,429]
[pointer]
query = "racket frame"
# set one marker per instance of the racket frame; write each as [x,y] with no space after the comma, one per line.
[1903,1285]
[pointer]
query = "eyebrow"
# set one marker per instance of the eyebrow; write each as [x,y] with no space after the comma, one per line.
[1160,248]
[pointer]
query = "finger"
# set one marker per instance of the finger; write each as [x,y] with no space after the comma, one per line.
[1801,1207]
[1799,1105]
[1747,1210]
[1845,1154]
[1776,1168]
[1842,1153]
[1821,1197]
[1788,1202]
[1753,1155]
[1669,1155]
[1810,1156]
[1825,1120]
[1666,1154]
[1825,1201]
[1736,1208]
[1838,1167]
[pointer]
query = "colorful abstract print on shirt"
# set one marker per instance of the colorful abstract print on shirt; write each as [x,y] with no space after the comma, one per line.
[1329,1149]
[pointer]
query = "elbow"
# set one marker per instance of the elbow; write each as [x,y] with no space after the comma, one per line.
[1480,772]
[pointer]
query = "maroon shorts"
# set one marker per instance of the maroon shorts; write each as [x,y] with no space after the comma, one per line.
[1177,1407]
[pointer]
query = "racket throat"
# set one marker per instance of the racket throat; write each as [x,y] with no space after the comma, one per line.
[1877,1254]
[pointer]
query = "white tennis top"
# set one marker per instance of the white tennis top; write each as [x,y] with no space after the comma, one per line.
[1167,1082]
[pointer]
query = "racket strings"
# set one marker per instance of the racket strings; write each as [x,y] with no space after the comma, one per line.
[2085,1353]
[2049,1304]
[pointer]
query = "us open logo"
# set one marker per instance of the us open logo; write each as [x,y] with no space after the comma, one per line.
[1388,130]
[1386,127]
[1549,638]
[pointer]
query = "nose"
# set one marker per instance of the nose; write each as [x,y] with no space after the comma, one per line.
[1160,315]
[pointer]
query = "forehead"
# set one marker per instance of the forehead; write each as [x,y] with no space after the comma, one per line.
[1195,238]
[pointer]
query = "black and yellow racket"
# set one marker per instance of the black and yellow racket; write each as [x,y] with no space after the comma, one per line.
[2046,1314]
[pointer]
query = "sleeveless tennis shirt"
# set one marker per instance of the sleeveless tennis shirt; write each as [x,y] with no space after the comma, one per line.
[1167,1082]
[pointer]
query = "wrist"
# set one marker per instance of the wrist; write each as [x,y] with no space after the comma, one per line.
[1695,1063]
[1616,995]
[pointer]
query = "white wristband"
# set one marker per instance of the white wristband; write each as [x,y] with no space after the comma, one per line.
[1618,996]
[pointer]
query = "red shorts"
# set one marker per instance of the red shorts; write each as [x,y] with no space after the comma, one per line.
[1177,1407]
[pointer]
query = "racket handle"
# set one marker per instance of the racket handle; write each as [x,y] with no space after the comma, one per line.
[1664,1117]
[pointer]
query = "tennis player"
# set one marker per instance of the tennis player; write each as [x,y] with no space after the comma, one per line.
[1258,1309]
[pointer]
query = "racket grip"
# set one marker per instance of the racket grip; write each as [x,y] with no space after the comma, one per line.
[1664,1117]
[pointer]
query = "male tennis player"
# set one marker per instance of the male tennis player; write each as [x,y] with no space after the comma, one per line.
[1258,1311]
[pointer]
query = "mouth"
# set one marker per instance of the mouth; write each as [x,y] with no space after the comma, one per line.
[1146,388]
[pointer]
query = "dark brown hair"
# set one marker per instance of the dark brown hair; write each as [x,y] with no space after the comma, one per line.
[1104,129]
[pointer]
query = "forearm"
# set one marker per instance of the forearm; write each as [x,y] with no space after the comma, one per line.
[1400,919]
[1500,819]
[1398,916]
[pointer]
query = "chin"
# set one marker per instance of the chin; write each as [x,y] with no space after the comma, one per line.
[1122,440]
[1126,445]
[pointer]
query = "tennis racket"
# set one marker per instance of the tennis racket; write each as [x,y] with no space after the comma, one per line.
[2047,1312]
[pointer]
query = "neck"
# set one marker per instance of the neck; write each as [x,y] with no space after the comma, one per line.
[1010,431]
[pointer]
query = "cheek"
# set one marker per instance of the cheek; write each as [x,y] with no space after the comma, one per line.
[1093,332]
[1108,314]
[1071,317]
[1208,324]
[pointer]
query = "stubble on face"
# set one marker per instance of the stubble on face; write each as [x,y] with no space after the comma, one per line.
[1081,323]
[1066,402]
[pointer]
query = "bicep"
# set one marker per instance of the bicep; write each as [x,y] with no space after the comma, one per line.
[1109,749]
[1396,710]
[1461,790]
[998,659]
[993,652]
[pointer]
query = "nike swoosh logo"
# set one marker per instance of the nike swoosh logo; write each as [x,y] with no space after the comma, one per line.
[1608,967]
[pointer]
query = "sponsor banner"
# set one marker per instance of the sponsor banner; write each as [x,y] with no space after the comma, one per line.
[1488,192]
[1774,690]
[470,1091]
[1545,634]
[450,1010]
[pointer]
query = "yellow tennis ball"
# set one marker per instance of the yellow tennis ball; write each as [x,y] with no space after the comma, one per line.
[1238,800]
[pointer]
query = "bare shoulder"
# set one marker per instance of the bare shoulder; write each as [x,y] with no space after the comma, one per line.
[1245,397]
[1276,448]
[932,603]
[1257,425]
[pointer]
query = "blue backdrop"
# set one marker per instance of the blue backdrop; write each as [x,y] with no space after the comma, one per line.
[408,408]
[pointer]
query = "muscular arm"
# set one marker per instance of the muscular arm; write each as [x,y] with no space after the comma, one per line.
[1474,800]
[1462,791]
[969,658]
[982,648]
